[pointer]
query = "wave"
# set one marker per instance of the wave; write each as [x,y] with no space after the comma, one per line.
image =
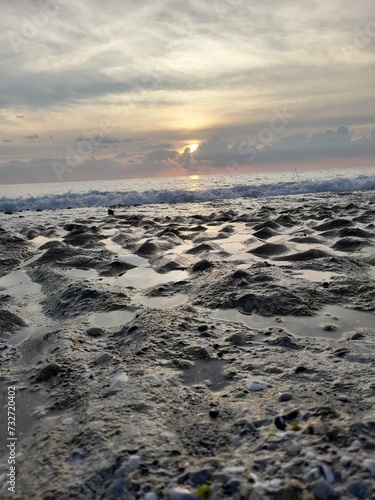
[95,198]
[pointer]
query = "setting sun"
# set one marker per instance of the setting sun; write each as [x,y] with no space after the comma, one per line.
[193,147]
[194,177]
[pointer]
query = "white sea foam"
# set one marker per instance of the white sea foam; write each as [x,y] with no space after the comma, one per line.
[203,191]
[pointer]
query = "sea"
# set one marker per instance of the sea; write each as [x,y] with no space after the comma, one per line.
[187,189]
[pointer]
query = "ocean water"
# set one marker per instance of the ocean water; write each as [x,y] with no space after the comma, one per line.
[183,189]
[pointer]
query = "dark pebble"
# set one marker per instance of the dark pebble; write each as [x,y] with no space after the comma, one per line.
[291,416]
[300,369]
[324,491]
[200,477]
[48,372]
[360,489]
[202,328]
[95,332]
[214,413]
[280,423]
[286,396]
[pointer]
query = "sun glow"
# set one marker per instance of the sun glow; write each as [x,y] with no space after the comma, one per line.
[193,147]
[194,177]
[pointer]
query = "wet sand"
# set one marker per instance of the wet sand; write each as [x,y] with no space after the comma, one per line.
[209,350]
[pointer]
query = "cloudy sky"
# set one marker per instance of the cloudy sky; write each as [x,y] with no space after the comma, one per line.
[117,89]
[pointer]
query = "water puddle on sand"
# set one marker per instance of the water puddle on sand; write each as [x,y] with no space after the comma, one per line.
[82,273]
[19,284]
[161,302]
[209,373]
[110,319]
[124,256]
[315,276]
[143,277]
[342,320]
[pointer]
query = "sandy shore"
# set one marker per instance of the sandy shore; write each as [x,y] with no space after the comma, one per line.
[208,350]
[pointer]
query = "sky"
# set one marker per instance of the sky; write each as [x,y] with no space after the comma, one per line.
[94,90]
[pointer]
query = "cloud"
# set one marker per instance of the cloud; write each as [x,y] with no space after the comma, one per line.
[161,154]
[32,137]
[106,139]
[7,140]
[20,116]
[214,155]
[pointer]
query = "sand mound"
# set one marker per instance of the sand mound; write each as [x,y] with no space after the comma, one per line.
[269,249]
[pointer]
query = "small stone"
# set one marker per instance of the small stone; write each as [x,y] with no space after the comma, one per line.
[275,483]
[237,339]
[355,446]
[310,455]
[95,332]
[370,465]
[68,421]
[182,494]
[328,474]
[103,359]
[232,486]
[202,328]
[133,462]
[234,469]
[300,369]
[152,378]
[151,495]
[120,379]
[48,372]
[291,416]
[342,397]
[280,423]
[324,491]
[255,386]
[199,477]
[214,413]
[286,396]
[312,475]
[360,489]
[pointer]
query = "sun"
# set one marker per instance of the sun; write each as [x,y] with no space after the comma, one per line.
[193,147]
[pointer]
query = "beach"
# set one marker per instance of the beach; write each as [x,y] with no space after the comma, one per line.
[211,349]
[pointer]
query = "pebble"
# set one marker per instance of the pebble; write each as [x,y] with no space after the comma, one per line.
[95,332]
[370,465]
[255,386]
[324,491]
[214,413]
[199,477]
[152,378]
[103,359]
[359,489]
[286,396]
[310,455]
[237,339]
[328,474]
[234,469]
[275,483]
[342,397]
[355,446]
[151,495]
[133,462]
[182,494]
[120,379]
[68,421]
[280,423]
[312,475]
